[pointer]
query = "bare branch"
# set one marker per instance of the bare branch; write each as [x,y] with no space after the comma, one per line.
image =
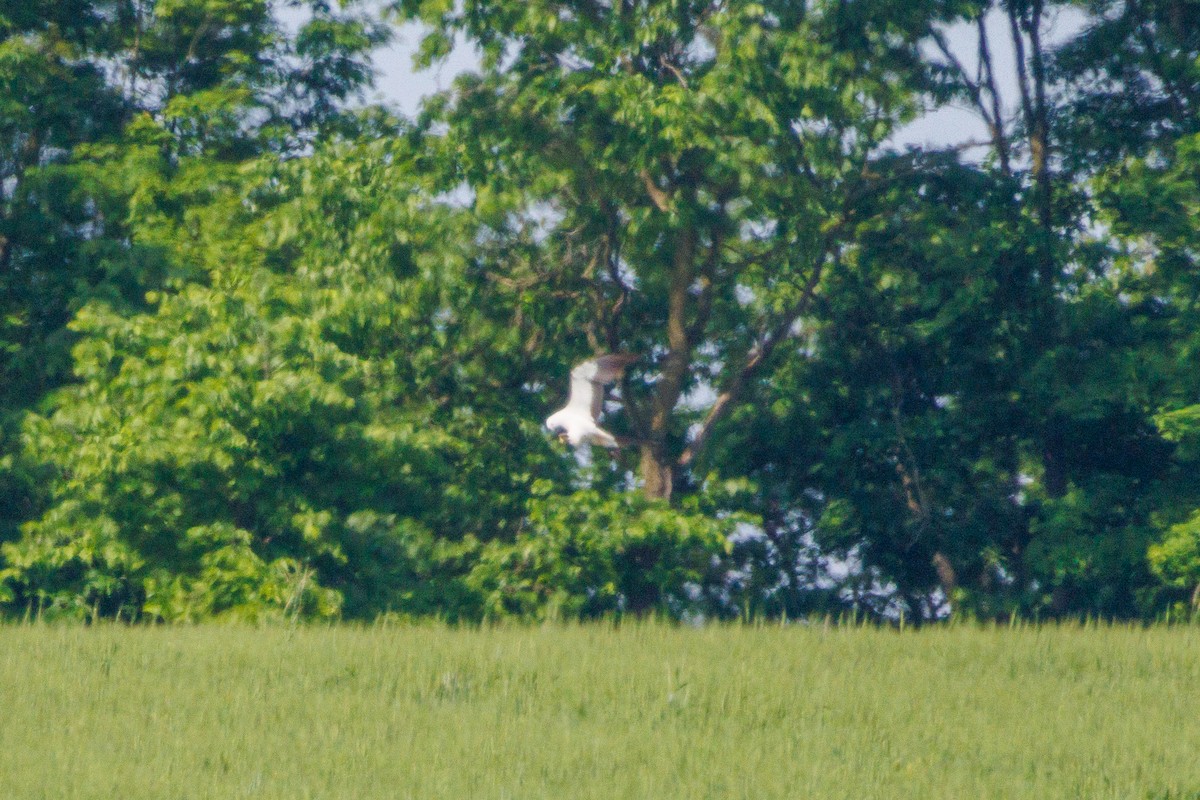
[972,87]
[661,200]
[1040,132]
[662,59]
[996,126]
[1022,73]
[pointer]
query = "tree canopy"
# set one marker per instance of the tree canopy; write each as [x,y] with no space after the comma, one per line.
[267,350]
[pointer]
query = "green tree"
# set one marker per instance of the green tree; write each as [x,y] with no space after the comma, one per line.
[50,101]
[325,417]
[1126,134]
[312,420]
[1152,206]
[707,184]
[680,177]
[263,358]
[586,554]
[89,90]
[977,420]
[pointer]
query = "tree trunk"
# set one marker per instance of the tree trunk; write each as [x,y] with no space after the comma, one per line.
[657,473]
[947,577]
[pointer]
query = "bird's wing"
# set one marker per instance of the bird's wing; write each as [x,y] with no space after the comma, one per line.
[589,378]
[610,367]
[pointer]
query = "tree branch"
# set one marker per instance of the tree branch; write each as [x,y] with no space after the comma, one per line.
[758,354]
[661,200]
[704,299]
[1040,132]
[972,87]
[633,408]
[662,59]
[996,126]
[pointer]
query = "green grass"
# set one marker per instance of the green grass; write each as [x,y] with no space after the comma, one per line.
[643,711]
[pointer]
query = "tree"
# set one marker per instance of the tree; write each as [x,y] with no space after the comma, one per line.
[84,79]
[251,444]
[1151,204]
[264,356]
[706,184]
[1128,81]
[682,176]
[324,418]
[978,400]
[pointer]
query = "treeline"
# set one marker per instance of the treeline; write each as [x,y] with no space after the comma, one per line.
[268,350]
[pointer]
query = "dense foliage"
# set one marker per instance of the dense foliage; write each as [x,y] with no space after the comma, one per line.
[266,351]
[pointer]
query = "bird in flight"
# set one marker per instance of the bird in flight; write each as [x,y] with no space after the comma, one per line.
[576,421]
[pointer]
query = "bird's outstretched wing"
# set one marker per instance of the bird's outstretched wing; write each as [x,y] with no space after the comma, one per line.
[589,378]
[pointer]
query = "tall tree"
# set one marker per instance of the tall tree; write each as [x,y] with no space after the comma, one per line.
[977,425]
[685,174]
[251,444]
[1087,451]
[89,88]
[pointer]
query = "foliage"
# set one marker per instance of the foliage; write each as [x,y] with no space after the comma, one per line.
[1153,203]
[1176,559]
[689,169]
[1135,80]
[585,555]
[252,438]
[263,355]
[104,97]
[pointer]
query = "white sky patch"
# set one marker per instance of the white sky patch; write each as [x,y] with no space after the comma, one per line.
[957,124]
[402,85]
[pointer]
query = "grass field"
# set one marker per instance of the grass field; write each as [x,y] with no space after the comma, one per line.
[641,711]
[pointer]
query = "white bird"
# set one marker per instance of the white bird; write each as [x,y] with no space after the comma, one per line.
[576,421]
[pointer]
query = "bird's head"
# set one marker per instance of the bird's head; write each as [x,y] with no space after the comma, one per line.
[560,431]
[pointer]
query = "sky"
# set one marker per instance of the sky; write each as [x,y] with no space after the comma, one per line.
[401,85]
